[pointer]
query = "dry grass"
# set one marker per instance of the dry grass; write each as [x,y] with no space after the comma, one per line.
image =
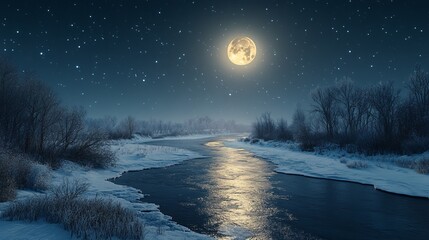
[19,171]
[419,164]
[94,218]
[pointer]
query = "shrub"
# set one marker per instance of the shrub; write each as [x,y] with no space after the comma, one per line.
[70,190]
[97,157]
[422,166]
[357,164]
[37,177]
[94,218]
[264,127]
[7,182]
[254,140]
[351,148]
[415,144]
[19,171]
[91,151]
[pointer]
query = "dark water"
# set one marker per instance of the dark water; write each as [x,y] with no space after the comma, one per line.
[233,194]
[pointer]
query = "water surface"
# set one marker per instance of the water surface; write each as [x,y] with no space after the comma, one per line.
[232,194]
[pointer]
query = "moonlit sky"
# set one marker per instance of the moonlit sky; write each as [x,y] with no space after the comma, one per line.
[167,59]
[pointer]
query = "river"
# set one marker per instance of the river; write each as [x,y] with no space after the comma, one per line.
[232,194]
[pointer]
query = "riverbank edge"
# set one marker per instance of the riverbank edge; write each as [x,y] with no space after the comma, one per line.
[157,224]
[379,175]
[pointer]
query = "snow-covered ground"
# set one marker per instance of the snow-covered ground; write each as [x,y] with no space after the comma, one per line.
[378,171]
[132,155]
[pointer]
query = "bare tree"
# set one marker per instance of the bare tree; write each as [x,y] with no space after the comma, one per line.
[130,125]
[419,100]
[419,90]
[32,112]
[282,131]
[325,107]
[264,127]
[49,115]
[384,101]
[70,127]
[352,107]
[11,104]
[301,129]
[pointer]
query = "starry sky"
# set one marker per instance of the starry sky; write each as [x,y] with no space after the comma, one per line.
[167,59]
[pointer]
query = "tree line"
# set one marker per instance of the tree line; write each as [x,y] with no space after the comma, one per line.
[33,121]
[128,126]
[376,119]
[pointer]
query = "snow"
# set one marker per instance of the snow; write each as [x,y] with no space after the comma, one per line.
[132,155]
[24,230]
[378,171]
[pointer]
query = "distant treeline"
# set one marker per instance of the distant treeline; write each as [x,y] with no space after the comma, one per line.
[129,126]
[376,119]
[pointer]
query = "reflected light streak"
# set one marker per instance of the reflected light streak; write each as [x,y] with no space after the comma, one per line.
[238,199]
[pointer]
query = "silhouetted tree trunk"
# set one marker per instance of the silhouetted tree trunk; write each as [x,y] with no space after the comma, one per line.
[419,99]
[131,126]
[301,129]
[384,101]
[353,107]
[324,106]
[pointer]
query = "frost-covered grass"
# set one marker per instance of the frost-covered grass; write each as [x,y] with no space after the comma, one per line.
[420,163]
[18,171]
[354,159]
[87,218]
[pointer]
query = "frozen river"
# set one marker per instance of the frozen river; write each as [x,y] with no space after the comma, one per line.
[231,194]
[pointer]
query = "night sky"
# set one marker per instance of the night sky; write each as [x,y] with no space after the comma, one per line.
[167,59]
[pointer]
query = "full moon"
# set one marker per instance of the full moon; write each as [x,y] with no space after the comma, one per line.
[241,50]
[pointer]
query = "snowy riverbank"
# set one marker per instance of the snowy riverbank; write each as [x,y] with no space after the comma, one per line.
[132,155]
[378,171]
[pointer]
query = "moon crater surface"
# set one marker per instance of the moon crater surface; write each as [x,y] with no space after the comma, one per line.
[241,50]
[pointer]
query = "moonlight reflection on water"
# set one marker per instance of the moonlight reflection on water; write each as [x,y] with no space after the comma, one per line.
[238,198]
[230,194]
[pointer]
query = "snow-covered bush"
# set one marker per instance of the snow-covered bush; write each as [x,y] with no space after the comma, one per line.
[327,148]
[357,164]
[19,171]
[19,168]
[70,190]
[422,166]
[419,163]
[343,160]
[94,218]
[38,176]
[354,164]
[7,182]
[91,151]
